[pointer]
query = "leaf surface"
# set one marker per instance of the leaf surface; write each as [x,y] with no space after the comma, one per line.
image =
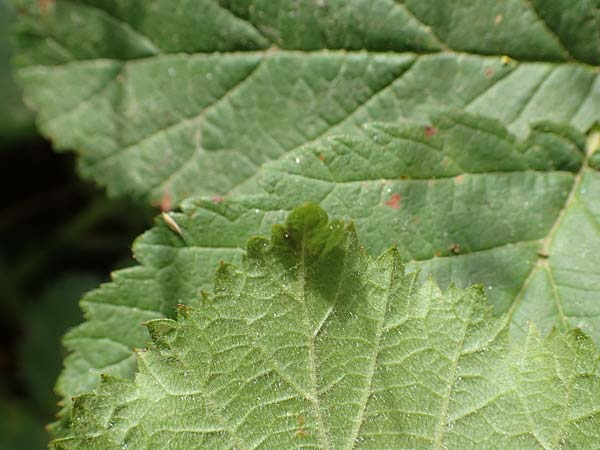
[312,343]
[165,99]
[462,199]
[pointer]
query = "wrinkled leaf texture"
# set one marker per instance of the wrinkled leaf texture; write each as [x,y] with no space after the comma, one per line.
[462,198]
[312,343]
[164,99]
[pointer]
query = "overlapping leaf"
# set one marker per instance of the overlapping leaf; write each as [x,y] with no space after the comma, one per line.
[165,99]
[461,198]
[311,343]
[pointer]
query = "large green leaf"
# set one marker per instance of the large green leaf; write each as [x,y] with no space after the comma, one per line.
[165,99]
[311,343]
[462,199]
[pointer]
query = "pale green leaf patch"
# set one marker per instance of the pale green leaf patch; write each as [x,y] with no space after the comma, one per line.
[312,343]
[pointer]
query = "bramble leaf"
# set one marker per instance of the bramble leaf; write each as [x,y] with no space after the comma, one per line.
[461,198]
[164,99]
[312,343]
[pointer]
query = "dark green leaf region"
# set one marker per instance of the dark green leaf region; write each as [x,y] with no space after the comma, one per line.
[165,99]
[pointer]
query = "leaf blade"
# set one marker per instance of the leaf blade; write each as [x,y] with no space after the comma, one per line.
[146,133]
[399,186]
[250,369]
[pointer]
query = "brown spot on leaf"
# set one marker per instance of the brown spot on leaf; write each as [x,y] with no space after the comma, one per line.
[454,248]
[217,199]
[321,156]
[166,204]
[489,73]
[430,131]
[183,310]
[458,179]
[543,254]
[300,430]
[394,201]
[498,19]
[437,254]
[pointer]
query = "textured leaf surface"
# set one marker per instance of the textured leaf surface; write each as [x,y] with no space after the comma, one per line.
[311,343]
[462,198]
[165,99]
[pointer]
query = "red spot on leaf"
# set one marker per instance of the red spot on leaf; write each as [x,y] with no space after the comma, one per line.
[489,73]
[459,179]
[498,19]
[166,204]
[217,199]
[321,156]
[430,131]
[394,201]
[45,5]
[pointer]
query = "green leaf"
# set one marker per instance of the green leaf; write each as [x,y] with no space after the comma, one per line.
[311,343]
[167,99]
[470,205]
[461,198]
[15,120]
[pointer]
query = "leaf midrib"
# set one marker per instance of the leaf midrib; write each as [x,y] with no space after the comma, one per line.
[322,433]
[372,369]
[323,51]
[542,261]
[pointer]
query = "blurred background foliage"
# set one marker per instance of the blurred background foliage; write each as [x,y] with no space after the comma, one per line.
[59,237]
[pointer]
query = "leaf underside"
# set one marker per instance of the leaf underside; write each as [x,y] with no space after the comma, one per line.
[167,99]
[461,198]
[312,343]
